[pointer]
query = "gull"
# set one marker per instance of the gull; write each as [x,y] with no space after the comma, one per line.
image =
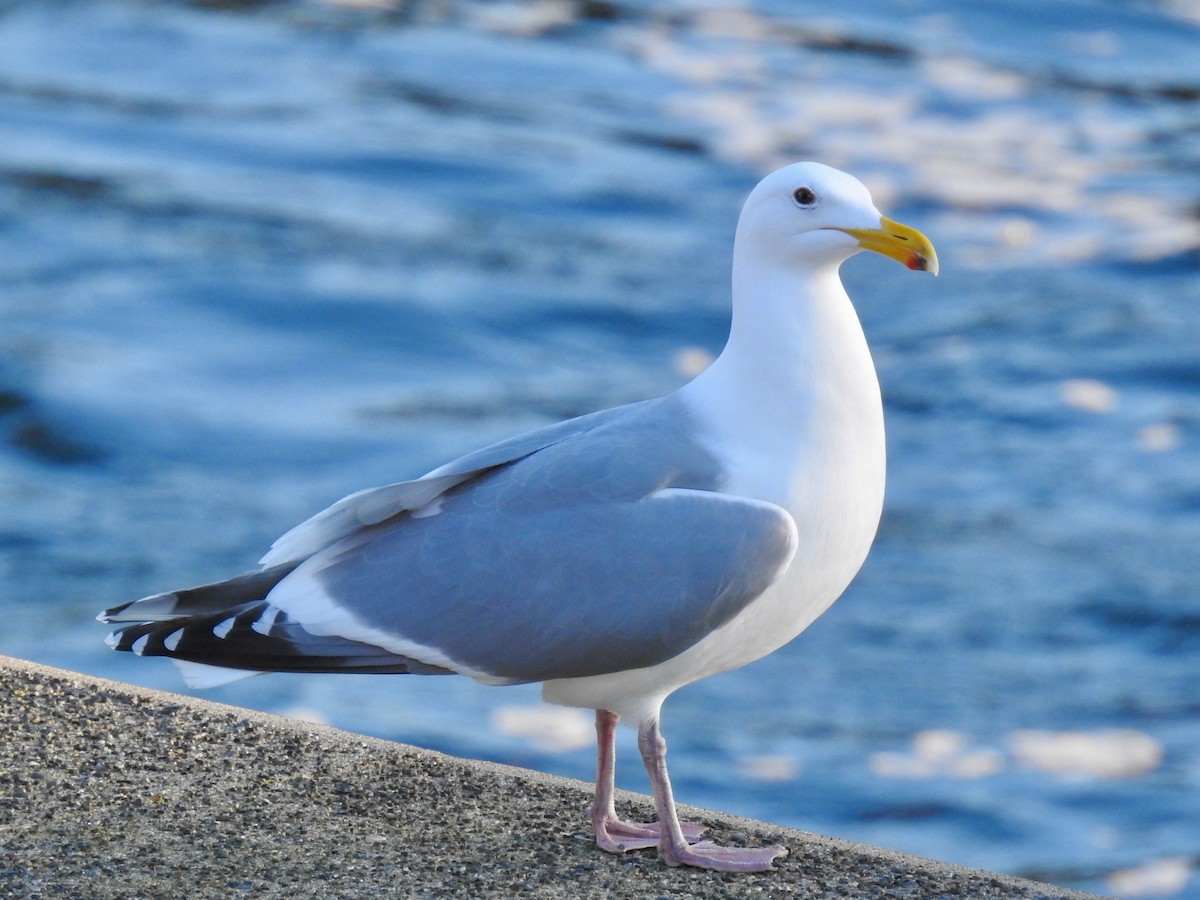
[614,557]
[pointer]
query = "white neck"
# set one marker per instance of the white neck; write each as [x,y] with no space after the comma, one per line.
[780,322]
[794,389]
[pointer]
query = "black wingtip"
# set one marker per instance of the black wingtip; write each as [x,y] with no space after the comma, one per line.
[260,638]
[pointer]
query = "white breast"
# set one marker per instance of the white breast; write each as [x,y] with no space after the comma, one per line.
[804,430]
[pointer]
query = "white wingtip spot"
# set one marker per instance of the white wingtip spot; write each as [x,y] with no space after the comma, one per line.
[221,629]
[171,641]
[139,646]
[265,621]
[113,640]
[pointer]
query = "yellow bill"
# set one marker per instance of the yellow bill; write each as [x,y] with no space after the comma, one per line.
[899,242]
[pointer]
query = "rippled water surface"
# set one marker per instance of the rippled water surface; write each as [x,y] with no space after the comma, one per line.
[256,256]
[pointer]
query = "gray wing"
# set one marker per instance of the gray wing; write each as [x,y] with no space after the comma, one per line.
[374,505]
[606,550]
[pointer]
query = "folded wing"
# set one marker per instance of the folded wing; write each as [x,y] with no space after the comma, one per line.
[599,545]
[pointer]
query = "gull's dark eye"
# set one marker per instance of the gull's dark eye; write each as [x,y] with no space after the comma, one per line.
[804,196]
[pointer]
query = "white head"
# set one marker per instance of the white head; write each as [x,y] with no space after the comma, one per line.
[814,216]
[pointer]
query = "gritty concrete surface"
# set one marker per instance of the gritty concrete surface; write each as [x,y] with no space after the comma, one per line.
[112,791]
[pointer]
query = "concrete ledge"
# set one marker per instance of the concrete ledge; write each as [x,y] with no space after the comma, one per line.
[112,791]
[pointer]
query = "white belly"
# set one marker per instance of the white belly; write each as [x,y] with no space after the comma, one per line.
[807,588]
[793,412]
[834,491]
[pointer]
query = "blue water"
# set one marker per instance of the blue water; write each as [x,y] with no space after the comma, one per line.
[254,258]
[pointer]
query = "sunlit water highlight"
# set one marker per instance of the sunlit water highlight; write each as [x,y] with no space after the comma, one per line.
[255,258]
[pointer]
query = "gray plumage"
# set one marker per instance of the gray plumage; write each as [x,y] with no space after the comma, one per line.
[618,556]
[596,545]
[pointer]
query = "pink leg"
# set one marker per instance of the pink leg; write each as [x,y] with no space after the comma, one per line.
[675,849]
[612,834]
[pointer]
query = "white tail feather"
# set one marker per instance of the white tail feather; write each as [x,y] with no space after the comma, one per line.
[199,676]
